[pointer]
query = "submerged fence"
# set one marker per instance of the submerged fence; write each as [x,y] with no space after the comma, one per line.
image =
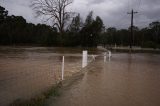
[22,78]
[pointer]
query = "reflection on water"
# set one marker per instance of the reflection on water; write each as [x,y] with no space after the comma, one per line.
[128,80]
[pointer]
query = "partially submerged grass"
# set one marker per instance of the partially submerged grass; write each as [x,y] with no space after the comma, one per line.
[53,92]
[40,100]
[156,51]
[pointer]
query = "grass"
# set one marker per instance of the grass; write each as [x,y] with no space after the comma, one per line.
[143,50]
[40,100]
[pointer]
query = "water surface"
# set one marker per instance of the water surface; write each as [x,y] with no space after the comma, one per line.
[26,72]
[127,80]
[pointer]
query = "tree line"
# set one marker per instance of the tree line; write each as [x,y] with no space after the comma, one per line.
[14,30]
[148,37]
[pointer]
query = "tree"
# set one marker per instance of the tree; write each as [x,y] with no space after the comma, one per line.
[123,36]
[111,33]
[86,31]
[90,33]
[15,30]
[73,32]
[155,30]
[3,14]
[55,9]
[154,24]
[97,27]
[89,19]
[75,24]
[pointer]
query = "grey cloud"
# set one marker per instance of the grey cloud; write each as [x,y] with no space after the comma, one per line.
[113,12]
[95,1]
[20,8]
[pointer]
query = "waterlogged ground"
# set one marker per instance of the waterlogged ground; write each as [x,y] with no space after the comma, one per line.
[127,80]
[26,72]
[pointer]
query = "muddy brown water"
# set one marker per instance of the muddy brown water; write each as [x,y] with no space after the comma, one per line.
[26,72]
[127,80]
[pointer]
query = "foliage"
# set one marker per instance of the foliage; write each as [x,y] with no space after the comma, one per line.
[90,33]
[146,37]
[75,24]
[149,44]
[3,14]
[14,30]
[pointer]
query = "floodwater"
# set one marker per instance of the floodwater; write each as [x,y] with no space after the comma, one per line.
[127,80]
[26,72]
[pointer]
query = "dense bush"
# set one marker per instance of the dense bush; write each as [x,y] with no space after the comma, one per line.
[14,30]
[149,44]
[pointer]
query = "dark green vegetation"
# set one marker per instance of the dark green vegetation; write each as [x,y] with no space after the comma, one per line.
[14,30]
[40,100]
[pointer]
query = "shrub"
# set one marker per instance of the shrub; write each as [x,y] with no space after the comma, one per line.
[149,44]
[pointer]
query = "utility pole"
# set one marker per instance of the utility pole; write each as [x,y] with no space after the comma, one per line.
[131,37]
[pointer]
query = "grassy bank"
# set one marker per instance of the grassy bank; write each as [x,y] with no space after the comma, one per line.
[136,50]
[55,91]
[39,100]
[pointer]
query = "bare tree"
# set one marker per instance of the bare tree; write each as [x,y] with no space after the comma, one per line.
[55,9]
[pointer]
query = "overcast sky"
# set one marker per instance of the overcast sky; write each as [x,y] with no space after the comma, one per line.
[113,12]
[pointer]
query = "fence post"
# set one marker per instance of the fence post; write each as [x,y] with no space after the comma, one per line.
[93,57]
[84,59]
[115,46]
[105,56]
[109,55]
[63,68]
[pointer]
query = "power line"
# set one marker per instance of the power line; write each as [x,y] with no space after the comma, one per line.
[128,6]
[139,6]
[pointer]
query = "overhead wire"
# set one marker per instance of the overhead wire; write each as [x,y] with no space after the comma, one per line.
[119,21]
[130,4]
[139,5]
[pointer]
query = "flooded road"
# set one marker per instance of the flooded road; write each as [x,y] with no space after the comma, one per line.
[127,80]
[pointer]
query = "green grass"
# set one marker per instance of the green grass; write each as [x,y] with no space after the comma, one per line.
[40,100]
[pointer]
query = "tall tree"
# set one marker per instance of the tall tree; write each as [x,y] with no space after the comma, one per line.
[155,30]
[111,35]
[3,14]
[75,24]
[89,19]
[91,30]
[97,27]
[55,9]
[86,32]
